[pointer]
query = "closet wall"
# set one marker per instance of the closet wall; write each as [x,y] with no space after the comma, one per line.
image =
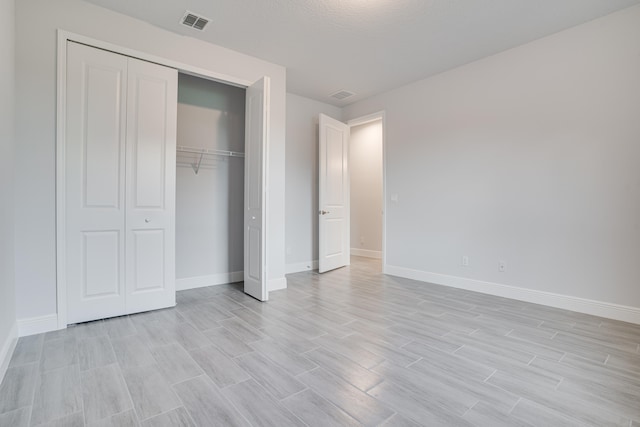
[209,204]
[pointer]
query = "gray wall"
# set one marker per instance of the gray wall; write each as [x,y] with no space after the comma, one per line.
[530,156]
[210,205]
[7,141]
[37,22]
[365,165]
[302,180]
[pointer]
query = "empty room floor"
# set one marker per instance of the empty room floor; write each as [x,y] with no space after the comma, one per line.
[349,347]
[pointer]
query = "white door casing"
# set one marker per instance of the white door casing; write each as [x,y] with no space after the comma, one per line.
[333,194]
[255,192]
[119,172]
[152,104]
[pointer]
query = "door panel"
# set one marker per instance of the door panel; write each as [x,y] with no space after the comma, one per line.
[102,143]
[101,264]
[256,134]
[148,260]
[148,140]
[152,98]
[333,194]
[94,177]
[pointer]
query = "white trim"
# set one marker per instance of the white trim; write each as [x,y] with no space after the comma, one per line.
[301,266]
[61,213]
[277,284]
[580,305]
[366,253]
[209,280]
[37,325]
[64,36]
[7,350]
[369,118]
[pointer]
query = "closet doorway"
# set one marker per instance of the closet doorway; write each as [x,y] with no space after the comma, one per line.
[209,183]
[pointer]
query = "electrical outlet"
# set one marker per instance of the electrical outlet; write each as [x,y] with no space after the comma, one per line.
[465,261]
[502,266]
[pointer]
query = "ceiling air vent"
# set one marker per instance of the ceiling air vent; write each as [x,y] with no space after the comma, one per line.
[192,20]
[342,94]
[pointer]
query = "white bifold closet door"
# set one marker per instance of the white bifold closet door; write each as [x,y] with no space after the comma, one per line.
[120,184]
[255,192]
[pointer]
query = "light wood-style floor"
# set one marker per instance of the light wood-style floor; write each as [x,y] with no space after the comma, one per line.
[350,347]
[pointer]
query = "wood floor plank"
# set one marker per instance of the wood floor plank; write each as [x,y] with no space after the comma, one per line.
[275,379]
[345,368]
[131,351]
[16,389]
[178,417]
[287,359]
[150,391]
[259,407]
[58,394]
[227,342]
[175,363]
[59,353]
[222,370]
[104,393]
[315,411]
[16,418]
[28,350]
[359,405]
[416,406]
[206,404]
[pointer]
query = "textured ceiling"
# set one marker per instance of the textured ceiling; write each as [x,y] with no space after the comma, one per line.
[367,46]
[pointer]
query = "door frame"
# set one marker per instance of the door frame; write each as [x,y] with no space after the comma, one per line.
[379,115]
[65,37]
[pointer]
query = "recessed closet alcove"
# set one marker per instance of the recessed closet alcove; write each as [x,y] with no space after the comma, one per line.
[209,182]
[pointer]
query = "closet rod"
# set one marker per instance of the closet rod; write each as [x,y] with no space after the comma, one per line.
[204,151]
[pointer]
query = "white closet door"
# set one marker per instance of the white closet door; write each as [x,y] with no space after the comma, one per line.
[152,98]
[94,177]
[255,167]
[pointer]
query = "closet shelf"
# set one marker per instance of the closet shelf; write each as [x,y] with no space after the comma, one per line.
[201,157]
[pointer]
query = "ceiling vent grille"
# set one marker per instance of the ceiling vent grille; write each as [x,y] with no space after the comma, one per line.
[193,20]
[342,95]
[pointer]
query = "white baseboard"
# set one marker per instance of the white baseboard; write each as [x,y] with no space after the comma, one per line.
[37,325]
[277,284]
[301,266]
[6,351]
[366,253]
[209,280]
[580,305]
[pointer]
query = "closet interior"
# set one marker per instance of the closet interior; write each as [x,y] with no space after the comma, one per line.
[209,182]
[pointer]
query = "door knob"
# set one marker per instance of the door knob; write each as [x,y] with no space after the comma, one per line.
[324,212]
[147,220]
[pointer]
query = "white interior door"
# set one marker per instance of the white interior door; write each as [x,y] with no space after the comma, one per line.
[255,192]
[94,173]
[333,194]
[152,100]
